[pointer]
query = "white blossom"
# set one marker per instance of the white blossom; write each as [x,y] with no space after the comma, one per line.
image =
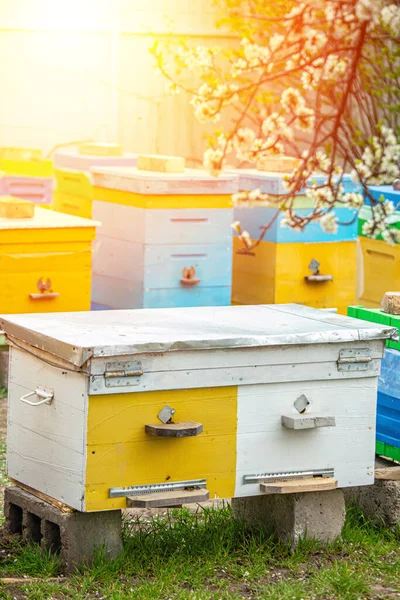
[329,223]
[391,17]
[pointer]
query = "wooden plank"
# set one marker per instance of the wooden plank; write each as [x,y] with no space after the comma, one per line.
[27,580]
[161,164]
[168,499]
[175,430]
[52,501]
[307,421]
[299,486]
[388,473]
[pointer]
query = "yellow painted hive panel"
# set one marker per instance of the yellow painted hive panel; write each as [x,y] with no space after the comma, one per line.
[163,201]
[120,453]
[28,168]
[72,204]
[73,182]
[381,270]
[276,274]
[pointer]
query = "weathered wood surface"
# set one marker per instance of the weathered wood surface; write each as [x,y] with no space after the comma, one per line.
[168,499]
[298,486]
[175,430]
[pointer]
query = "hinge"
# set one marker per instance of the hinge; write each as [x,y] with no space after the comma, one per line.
[123,373]
[354,360]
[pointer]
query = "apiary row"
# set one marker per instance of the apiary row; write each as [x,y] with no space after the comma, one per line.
[166,240]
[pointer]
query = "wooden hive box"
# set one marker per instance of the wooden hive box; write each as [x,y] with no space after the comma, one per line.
[27,162]
[280,269]
[379,263]
[36,189]
[45,262]
[166,239]
[72,173]
[257,394]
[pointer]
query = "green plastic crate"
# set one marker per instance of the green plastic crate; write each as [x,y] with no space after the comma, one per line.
[387,451]
[376,315]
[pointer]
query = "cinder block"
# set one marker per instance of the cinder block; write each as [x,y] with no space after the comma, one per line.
[161,164]
[380,501]
[75,535]
[391,303]
[312,515]
[16,208]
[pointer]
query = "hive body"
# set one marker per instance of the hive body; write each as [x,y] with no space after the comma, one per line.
[379,263]
[45,263]
[278,269]
[166,239]
[73,193]
[236,371]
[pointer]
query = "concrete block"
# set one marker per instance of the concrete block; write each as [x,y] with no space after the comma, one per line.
[75,535]
[391,303]
[161,164]
[380,501]
[313,515]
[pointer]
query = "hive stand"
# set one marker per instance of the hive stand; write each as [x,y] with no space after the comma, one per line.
[380,501]
[76,536]
[295,515]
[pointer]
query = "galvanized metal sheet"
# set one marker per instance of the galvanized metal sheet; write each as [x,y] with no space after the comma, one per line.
[76,337]
[191,181]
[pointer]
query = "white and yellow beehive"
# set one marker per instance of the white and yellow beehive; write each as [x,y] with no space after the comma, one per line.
[108,408]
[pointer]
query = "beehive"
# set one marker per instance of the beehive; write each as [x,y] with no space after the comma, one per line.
[72,173]
[24,173]
[259,393]
[26,162]
[380,261]
[388,407]
[166,239]
[309,267]
[36,189]
[45,263]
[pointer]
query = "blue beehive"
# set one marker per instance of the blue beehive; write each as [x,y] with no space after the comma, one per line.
[388,413]
[253,216]
[387,191]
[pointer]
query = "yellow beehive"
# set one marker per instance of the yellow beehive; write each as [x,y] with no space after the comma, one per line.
[45,263]
[381,270]
[73,195]
[28,162]
[280,273]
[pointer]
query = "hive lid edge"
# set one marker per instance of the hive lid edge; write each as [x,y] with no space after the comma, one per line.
[14,333]
[78,337]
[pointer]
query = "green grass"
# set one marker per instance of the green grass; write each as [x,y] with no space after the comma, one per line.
[209,556]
